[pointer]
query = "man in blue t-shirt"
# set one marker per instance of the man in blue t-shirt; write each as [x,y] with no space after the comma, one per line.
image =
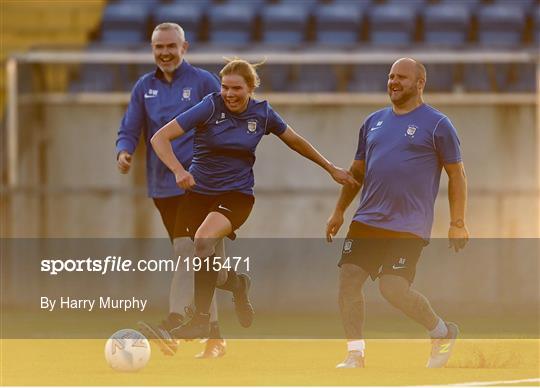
[401,152]
[157,97]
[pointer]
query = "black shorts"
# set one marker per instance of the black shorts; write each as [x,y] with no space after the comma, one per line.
[381,251]
[233,205]
[168,207]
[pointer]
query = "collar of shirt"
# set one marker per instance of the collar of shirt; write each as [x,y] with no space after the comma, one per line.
[176,74]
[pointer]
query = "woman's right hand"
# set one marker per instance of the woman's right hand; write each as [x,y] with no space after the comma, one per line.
[333,224]
[184,180]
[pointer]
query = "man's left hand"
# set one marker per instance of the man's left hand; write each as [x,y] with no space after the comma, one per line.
[458,237]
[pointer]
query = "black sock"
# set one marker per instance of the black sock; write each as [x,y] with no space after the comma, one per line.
[214,330]
[231,284]
[205,284]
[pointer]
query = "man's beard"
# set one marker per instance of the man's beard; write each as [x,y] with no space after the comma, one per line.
[169,67]
[406,95]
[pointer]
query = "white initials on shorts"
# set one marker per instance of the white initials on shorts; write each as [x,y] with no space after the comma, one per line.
[347,246]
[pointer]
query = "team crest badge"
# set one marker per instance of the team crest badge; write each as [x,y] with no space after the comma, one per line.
[186,94]
[411,130]
[347,246]
[252,126]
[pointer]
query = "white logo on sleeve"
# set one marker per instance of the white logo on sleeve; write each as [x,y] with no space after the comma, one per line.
[379,123]
[400,264]
[151,93]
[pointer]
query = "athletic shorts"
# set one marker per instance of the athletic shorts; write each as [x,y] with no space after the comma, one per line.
[380,251]
[168,207]
[195,207]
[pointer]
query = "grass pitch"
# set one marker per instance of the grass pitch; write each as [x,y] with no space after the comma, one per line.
[270,362]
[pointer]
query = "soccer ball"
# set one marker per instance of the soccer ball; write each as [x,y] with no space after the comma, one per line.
[127,351]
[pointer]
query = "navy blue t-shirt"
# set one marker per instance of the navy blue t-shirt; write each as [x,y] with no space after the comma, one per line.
[154,102]
[225,143]
[404,155]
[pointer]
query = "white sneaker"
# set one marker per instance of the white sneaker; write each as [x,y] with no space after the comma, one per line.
[441,348]
[354,359]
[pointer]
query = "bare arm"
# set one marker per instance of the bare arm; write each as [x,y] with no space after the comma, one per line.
[304,148]
[457,198]
[161,142]
[348,193]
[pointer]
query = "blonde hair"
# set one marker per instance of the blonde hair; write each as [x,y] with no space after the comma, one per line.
[243,68]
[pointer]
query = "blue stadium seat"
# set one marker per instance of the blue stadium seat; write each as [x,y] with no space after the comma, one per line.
[392,25]
[338,24]
[515,77]
[198,3]
[231,24]
[125,15]
[361,5]
[478,77]
[500,25]
[525,5]
[144,68]
[276,77]
[440,77]
[369,78]
[300,3]
[247,3]
[121,36]
[522,78]
[471,5]
[97,77]
[284,24]
[125,23]
[189,16]
[446,24]
[148,4]
[214,68]
[414,4]
[316,78]
[536,23]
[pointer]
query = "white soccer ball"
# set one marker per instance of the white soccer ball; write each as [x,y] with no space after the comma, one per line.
[127,351]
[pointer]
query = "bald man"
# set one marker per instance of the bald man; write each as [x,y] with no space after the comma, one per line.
[401,152]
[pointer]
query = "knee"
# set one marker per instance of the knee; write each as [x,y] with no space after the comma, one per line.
[392,291]
[183,246]
[204,246]
[222,277]
[351,282]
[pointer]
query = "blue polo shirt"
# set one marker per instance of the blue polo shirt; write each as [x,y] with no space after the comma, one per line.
[404,156]
[154,102]
[225,143]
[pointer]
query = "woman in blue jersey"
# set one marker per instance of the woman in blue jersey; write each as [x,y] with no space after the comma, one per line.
[228,127]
